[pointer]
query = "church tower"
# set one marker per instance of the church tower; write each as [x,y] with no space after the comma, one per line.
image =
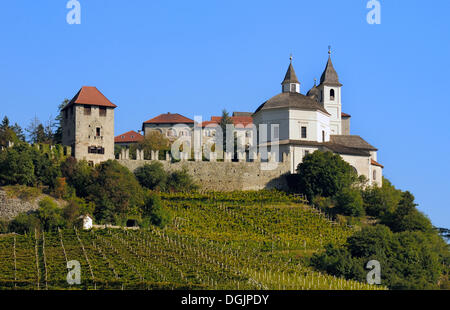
[330,96]
[290,82]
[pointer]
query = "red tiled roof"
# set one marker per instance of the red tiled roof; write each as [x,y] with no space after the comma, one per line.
[237,120]
[374,163]
[345,115]
[89,95]
[170,118]
[129,137]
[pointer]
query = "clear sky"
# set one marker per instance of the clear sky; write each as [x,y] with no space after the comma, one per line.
[198,57]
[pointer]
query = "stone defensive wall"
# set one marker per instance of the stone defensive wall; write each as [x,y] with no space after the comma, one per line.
[224,175]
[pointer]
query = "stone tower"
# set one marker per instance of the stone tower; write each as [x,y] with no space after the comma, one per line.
[88,126]
[330,96]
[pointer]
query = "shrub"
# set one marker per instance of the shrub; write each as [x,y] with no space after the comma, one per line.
[24,223]
[154,212]
[181,181]
[152,176]
[49,214]
[349,202]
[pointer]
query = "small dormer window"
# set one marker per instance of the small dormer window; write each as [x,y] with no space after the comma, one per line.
[332,94]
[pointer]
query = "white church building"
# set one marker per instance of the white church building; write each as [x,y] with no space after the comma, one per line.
[315,121]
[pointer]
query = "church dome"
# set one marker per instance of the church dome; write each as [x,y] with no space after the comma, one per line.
[293,101]
[314,93]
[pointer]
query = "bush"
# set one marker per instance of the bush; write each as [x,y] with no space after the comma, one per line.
[152,176]
[49,214]
[349,202]
[154,212]
[24,223]
[181,181]
[324,174]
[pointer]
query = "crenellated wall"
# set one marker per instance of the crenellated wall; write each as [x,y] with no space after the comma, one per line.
[224,175]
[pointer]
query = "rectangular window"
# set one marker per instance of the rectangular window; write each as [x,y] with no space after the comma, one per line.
[97,132]
[323,136]
[304,133]
[102,111]
[276,132]
[96,150]
[293,88]
[87,110]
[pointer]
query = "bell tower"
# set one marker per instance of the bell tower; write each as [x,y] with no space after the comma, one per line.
[330,95]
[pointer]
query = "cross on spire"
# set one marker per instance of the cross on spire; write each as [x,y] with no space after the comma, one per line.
[329,50]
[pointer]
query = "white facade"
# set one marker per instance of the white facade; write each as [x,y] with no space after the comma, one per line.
[304,126]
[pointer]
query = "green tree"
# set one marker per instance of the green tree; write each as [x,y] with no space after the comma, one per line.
[409,260]
[115,191]
[16,166]
[153,141]
[406,217]
[57,136]
[78,174]
[152,176]
[379,201]
[224,121]
[324,174]
[349,202]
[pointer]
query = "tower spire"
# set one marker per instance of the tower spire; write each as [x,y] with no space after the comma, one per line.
[290,82]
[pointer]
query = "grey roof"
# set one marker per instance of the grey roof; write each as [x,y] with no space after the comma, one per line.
[242,113]
[329,75]
[352,141]
[290,76]
[293,101]
[314,93]
[340,144]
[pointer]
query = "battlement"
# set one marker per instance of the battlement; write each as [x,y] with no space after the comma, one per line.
[244,157]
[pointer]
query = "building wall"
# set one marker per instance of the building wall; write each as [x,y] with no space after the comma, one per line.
[291,121]
[79,131]
[166,128]
[345,126]
[225,176]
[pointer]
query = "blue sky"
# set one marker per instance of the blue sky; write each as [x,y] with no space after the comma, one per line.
[198,57]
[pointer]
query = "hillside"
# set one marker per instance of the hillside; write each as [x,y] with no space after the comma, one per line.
[213,242]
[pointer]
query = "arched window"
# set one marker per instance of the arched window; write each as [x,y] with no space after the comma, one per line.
[332,94]
[374,175]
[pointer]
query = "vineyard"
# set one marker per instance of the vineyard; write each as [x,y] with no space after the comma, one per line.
[215,241]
